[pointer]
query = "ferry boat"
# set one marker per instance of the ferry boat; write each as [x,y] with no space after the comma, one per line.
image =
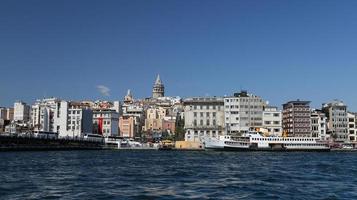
[255,141]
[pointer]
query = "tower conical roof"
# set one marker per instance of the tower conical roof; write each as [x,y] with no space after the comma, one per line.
[129,93]
[158,80]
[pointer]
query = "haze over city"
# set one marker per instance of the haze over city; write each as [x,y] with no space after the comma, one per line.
[280,50]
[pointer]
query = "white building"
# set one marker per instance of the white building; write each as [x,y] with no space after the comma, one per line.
[73,119]
[204,117]
[106,122]
[272,120]
[43,114]
[337,124]
[319,125]
[21,111]
[242,112]
[352,126]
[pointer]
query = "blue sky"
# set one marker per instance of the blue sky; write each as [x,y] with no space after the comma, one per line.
[280,50]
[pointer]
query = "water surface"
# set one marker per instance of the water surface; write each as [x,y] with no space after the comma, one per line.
[177,175]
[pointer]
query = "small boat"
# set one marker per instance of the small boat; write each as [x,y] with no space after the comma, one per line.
[166,145]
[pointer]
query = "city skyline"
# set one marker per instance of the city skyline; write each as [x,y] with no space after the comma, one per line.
[267,48]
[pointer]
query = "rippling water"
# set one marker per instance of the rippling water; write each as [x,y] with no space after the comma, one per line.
[177,175]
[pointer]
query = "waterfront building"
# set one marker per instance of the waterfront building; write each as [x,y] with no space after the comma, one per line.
[3,113]
[158,89]
[318,124]
[154,119]
[10,114]
[17,127]
[2,125]
[130,123]
[106,122]
[21,111]
[73,119]
[43,113]
[243,111]
[337,124]
[272,120]
[297,118]
[169,124]
[352,126]
[132,118]
[128,126]
[204,117]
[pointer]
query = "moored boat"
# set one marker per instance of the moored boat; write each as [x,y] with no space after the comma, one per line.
[254,141]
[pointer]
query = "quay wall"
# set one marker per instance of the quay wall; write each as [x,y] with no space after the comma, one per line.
[14,143]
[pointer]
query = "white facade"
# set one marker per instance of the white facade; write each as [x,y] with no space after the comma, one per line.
[21,112]
[106,122]
[43,114]
[318,125]
[242,112]
[73,119]
[272,121]
[352,126]
[204,117]
[337,124]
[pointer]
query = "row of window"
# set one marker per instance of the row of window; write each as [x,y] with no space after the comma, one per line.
[207,107]
[74,112]
[271,122]
[202,114]
[249,99]
[243,106]
[284,139]
[208,123]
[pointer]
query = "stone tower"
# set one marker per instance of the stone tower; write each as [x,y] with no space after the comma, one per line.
[128,99]
[158,90]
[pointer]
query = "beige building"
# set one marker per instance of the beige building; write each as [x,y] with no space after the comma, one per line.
[154,119]
[204,117]
[21,111]
[272,120]
[3,113]
[243,111]
[10,114]
[127,126]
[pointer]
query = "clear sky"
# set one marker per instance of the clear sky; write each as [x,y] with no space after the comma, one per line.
[280,50]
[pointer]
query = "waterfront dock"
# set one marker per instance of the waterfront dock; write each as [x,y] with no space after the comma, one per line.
[26,143]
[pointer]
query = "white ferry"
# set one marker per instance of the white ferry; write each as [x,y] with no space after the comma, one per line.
[254,141]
